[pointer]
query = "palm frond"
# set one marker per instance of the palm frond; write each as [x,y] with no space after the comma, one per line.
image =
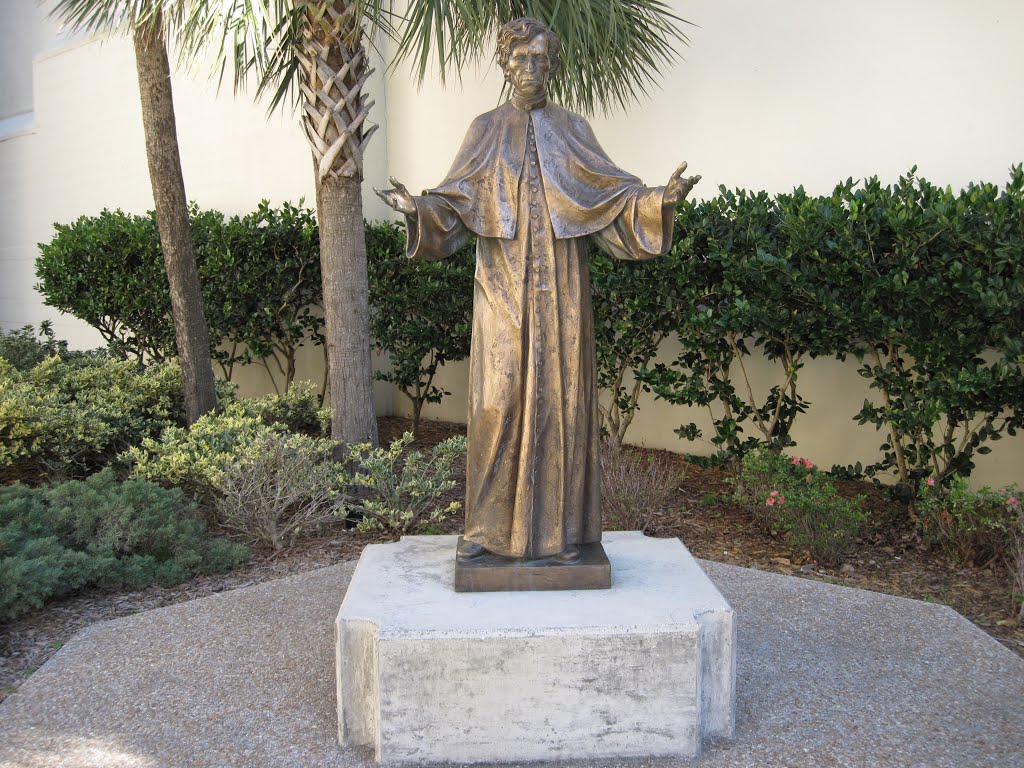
[261,38]
[613,51]
[113,15]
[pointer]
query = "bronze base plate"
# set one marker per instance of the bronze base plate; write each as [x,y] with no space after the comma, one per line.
[494,573]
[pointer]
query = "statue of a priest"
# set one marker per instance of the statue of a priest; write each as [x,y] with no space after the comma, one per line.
[531,182]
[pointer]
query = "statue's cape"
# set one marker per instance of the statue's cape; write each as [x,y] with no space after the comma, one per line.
[584,189]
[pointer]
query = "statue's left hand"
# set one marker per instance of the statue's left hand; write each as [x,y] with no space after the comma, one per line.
[678,188]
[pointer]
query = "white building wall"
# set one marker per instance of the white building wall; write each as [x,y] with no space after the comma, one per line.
[771,94]
[82,149]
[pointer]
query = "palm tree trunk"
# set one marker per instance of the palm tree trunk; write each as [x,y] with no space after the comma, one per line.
[154,74]
[334,72]
[346,304]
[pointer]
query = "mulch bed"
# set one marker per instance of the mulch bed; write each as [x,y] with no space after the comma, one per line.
[888,557]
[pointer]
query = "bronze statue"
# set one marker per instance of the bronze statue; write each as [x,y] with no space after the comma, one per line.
[531,181]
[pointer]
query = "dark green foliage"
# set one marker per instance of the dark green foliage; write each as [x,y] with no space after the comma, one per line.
[100,532]
[420,312]
[108,270]
[939,309]
[264,289]
[924,285]
[260,276]
[24,349]
[636,305]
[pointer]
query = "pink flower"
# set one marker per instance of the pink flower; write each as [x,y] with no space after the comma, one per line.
[808,463]
[782,499]
[771,501]
[1013,503]
[931,482]
[795,461]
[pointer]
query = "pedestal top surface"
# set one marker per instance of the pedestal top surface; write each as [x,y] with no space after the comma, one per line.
[655,583]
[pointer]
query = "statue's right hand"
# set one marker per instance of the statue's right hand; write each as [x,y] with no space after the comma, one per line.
[398,198]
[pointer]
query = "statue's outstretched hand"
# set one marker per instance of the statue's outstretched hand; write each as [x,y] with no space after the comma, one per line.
[678,188]
[398,198]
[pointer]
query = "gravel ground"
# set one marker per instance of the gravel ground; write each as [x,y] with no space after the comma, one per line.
[826,676]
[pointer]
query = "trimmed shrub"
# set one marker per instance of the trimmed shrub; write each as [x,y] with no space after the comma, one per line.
[260,276]
[939,309]
[74,416]
[281,487]
[922,284]
[263,288]
[636,306]
[405,490]
[100,532]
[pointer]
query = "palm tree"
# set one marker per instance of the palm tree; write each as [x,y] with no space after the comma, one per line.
[146,22]
[314,52]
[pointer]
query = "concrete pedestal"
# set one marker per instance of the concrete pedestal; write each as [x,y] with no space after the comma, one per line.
[425,674]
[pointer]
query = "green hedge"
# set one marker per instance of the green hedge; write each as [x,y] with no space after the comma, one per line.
[922,284]
[420,313]
[260,275]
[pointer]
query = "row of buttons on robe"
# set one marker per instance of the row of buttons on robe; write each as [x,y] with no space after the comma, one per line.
[535,206]
[533,172]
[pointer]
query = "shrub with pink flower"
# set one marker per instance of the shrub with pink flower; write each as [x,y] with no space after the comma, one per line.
[972,527]
[789,497]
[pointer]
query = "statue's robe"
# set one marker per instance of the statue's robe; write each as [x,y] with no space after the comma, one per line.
[531,184]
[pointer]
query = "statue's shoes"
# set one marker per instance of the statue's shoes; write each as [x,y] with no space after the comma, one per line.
[570,554]
[469,550]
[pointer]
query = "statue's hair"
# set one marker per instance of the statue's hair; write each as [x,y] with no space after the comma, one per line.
[524,30]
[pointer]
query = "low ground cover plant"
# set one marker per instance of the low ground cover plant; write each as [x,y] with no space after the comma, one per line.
[969,527]
[100,532]
[281,486]
[255,477]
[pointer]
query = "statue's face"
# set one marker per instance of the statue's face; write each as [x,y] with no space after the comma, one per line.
[529,66]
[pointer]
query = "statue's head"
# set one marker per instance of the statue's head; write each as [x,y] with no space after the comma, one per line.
[528,53]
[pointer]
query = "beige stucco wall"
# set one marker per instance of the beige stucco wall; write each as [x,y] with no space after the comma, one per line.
[770,95]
